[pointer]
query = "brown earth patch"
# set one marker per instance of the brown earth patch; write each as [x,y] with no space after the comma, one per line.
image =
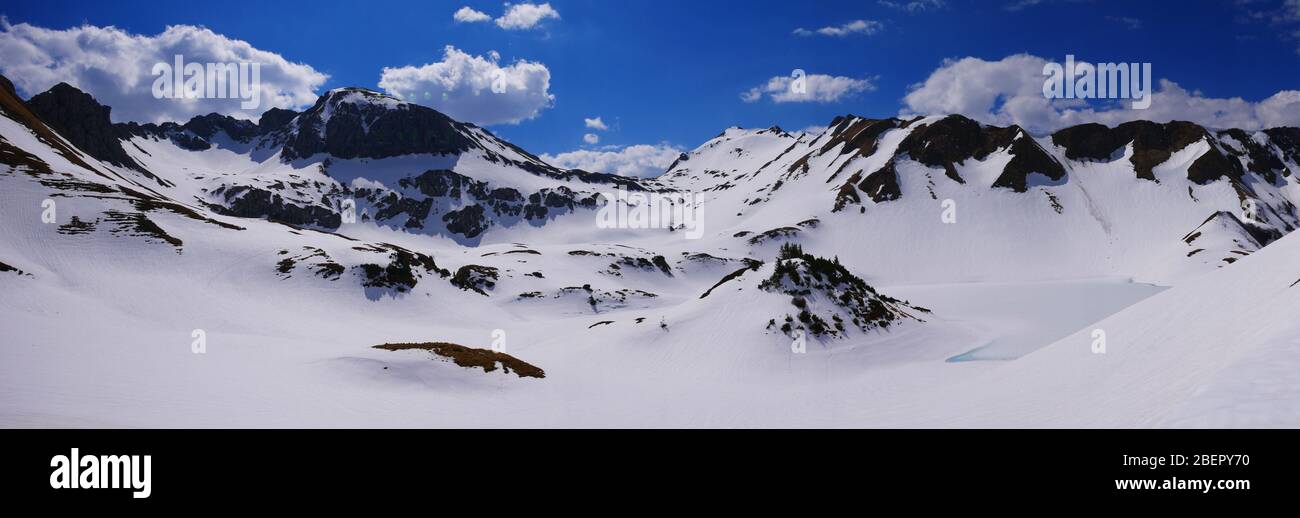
[471,357]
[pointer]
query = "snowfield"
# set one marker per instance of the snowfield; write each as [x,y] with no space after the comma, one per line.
[102,312]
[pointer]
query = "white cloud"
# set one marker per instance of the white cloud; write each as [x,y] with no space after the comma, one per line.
[819,88]
[866,27]
[596,123]
[116,68]
[525,16]
[591,138]
[914,6]
[461,86]
[814,129]
[1010,91]
[469,15]
[642,160]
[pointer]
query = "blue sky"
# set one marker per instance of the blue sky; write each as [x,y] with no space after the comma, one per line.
[673,72]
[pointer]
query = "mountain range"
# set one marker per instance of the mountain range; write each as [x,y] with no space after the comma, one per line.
[880,272]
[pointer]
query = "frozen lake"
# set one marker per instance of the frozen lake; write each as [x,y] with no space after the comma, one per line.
[1015,319]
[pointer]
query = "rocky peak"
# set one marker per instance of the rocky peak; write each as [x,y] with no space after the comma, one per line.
[206,126]
[355,122]
[274,119]
[954,139]
[83,121]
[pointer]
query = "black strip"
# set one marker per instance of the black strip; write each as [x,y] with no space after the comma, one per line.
[414,466]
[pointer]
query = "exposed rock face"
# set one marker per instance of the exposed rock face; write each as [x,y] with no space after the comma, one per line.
[1153,143]
[1260,158]
[467,221]
[275,119]
[882,185]
[828,298]
[251,202]
[955,139]
[403,271]
[83,121]
[475,278]
[946,143]
[197,134]
[358,123]
[1027,158]
[1260,236]
[1089,142]
[860,136]
[206,126]
[484,204]
[1287,141]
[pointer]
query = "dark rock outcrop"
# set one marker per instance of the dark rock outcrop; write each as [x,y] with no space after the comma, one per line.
[468,221]
[955,139]
[359,123]
[828,298]
[1260,159]
[1153,144]
[882,185]
[275,119]
[402,272]
[78,117]
[475,278]
[205,126]
[251,202]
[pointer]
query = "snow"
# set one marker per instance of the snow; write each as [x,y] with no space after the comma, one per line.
[100,333]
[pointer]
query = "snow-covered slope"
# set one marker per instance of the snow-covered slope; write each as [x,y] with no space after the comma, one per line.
[924,243]
[1217,351]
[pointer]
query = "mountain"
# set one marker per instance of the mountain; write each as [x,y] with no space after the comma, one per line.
[83,121]
[1089,200]
[877,272]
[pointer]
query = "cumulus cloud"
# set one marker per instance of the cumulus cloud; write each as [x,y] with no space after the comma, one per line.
[461,86]
[865,27]
[642,160]
[591,138]
[1010,91]
[819,88]
[469,15]
[116,67]
[526,16]
[596,124]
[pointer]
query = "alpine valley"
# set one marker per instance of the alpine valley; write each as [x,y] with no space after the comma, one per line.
[370,262]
